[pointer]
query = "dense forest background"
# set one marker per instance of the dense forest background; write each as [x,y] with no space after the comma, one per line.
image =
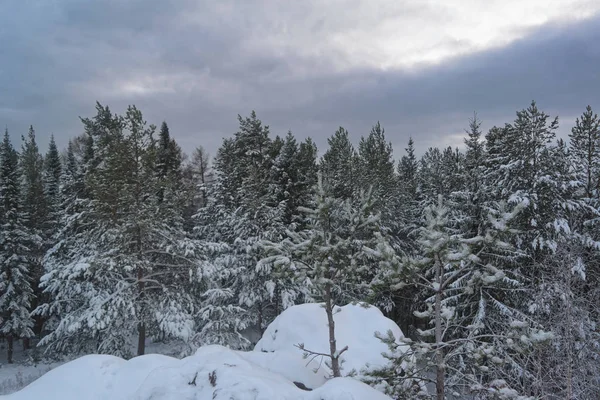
[487,257]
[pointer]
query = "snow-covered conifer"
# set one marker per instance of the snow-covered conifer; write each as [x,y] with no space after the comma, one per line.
[16,244]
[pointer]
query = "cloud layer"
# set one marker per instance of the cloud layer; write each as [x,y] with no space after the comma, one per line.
[417,66]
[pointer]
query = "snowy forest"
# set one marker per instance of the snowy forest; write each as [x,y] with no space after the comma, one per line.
[486,256]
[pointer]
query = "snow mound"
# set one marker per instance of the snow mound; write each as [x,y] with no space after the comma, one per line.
[212,373]
[355,327]
[289,364]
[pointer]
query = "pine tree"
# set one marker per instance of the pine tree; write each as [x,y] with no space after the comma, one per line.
[336,254]
[472,330]
[585,151]
[128,265]
[16,293]
[518,162]
[527,167]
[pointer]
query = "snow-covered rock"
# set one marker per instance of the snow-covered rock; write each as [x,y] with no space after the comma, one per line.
[355,327]
[213,373]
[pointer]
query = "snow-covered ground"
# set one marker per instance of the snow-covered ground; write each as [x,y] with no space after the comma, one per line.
[16,376]
[27,368]
[215,372]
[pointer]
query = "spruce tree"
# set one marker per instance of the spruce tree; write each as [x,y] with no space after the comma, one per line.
[473,196]
[36,207]
[339,166]
[32,166]
[52,177]
[307,179]
[244,209]
[377,172]
[285,177]
[168,165]
[294,175]
[400,305]
[432,177]
[16,244]
[408,197]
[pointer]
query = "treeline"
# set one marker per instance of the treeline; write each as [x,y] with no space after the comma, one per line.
[487,257]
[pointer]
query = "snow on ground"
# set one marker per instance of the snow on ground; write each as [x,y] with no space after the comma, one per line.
[355,327]
[30,364]
[16,376]
[213,373]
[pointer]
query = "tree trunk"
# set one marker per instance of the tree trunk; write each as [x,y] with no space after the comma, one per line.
[26,344]
[9,352]
[335,362]
[569,337]
[260,319]
[277,295]
[440,368]
[141,347]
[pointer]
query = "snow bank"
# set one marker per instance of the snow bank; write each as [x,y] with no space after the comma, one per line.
[289,364]
[213,373]
[355,327]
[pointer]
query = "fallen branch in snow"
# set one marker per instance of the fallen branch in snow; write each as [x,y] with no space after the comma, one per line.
[302,386]
[193,381]
[212,378]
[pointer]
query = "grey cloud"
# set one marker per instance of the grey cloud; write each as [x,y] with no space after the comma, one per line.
[60,57]
[556,66]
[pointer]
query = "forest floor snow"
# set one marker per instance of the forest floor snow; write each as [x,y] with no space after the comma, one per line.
[215,372]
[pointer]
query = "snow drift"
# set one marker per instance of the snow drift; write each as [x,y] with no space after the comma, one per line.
[215,372]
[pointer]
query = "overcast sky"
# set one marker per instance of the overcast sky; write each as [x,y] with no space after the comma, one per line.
[420,67]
